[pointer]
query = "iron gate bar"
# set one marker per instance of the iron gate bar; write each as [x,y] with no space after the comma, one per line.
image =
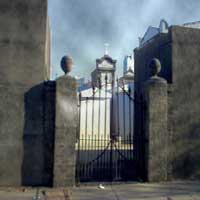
[118,125]
[99,120]
[86,120]
[118,122]
[93,94]
[133,128]
[112,131]
[130,117]
[105,122]
[124,118]
[78,141]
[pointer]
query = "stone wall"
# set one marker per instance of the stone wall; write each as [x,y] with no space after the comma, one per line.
[30,118]
[178,52]
[22,73]
[185,107]
[161,48]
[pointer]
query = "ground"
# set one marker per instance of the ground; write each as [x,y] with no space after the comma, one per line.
[115,191]
[139,191]
[34,194]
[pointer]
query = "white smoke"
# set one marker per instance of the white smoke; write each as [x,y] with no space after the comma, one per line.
[81,27]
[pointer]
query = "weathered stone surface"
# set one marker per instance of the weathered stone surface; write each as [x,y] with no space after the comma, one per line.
[185,107]
[22,72]
[156,129]
[65,133]
[22,41]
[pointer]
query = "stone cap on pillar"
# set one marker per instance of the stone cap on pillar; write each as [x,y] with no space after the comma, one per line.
[66,64]
[155,68]
[67,81]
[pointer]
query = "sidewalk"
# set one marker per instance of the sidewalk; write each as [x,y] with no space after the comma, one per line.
[117,191]
[140,191]
[34,194]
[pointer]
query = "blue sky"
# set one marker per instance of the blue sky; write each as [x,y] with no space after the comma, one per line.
[80,28]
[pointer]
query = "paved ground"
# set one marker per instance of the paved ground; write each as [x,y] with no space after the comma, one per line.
[33,194]
[14,194]
[138,191]
[128,191]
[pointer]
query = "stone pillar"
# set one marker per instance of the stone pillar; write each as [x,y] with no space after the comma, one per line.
[156,126]
[65,131]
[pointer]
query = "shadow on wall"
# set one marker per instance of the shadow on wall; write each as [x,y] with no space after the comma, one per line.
[187,161]
[38,137]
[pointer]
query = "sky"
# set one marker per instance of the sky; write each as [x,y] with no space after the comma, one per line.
[80,28]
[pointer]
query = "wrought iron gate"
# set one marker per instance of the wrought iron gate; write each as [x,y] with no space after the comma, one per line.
[105,150]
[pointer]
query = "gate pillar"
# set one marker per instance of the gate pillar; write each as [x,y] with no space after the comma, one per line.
[65,132]
[156,135]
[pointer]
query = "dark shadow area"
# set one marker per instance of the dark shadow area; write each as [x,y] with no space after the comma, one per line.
[38,137]
[97,165]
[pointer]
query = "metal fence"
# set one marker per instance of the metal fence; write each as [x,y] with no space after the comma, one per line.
[105,145]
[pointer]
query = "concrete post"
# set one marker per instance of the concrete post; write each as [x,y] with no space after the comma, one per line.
[65,133]
[156,126]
